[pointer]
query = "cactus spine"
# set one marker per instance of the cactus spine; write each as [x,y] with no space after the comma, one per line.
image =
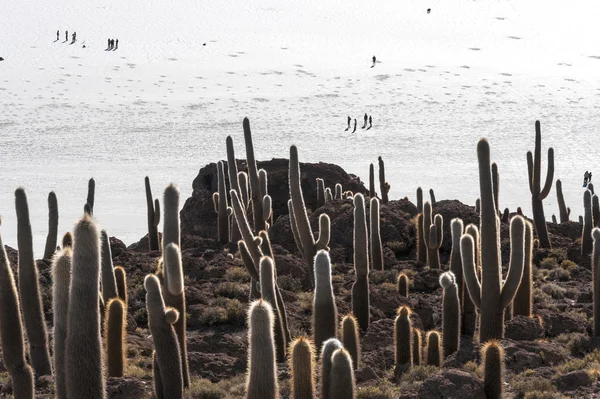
[343,385]
[168,378]
[116,319]
[375,235]
[403,343]
[489,294]
[588,224]
[417,347]
[522,304]
[223,211]
[267,290]
[350,339]
[384,186]
[329,346]
[29,290]
[564,211]
[261,381]
[325,317]
[434,351]
[450,314]
[320,192]
[109,285]
[302,369]
[11,333]
[538,195]
[403,285]
[360,289]
[492,356]
[372,193]
[432,235]
[596,279]
[469,314]
[153,208]
[121,280]
[52,237]
[83,354]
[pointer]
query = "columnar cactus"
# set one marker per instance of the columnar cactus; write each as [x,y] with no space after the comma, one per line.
[325,317]
[419,199]
[11,333]
[350,339]
[171,217]
[329,347]
[302,369]
[492,356]
[121,280]
[267,290]
[421,246]
[450,314]
[457,229]
[522,304]
[91,194]
[52,237]
[267,210]
[261,378]
[338,192]
[116,320]
[372,193]
[220,204]
[343,385]
[469,314]
[308,245]
[384,186]
[417,347]
[432,235]
[168,378]
[29,290]
[538,195]
[83,351]
[433,349]
[596,280]
[496,184]
[328,195]
[257,195]
[244,189]
[489,294]
[588,224]
[320,192]
[403,341]
[153,208]
[596,210]
[235,183]
[403,285]
[375,235]
[564,211]
[360,289]
[109,284]
[478,205]
[61,279]
[432,196]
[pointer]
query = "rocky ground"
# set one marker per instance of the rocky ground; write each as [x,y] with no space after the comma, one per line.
[557,360]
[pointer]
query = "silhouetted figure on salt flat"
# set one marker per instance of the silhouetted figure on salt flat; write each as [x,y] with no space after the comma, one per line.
[66,36]
[428,10]
[586,178]
[116,44]
[374,61]
[1,59]
[74,37]
[57,35]
[370,122]
[349,120]
[354,126]
[365,124]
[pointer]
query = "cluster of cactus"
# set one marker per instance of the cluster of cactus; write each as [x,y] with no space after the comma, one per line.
[432,235]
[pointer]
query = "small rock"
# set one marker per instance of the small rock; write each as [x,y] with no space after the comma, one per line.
[573,380]
[452,384]
[522,328]
[365,374]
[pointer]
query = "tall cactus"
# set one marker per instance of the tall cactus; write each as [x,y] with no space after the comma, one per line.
[234,184]
[343,385]
[261,379]
[596,280]
[450,314]
[52,237]
[329,346]
[372,193]
[469,313]
[588,224]
[121,280]
[302,369]
[61,279]
[496,185]
[350,339]
[168,378]
[403,341]
[538,195]
[419,199]
[171,217]
[320,192]
[109,284]
[417,348]
[360,288]
[83,354]
[220,203]
[492,356]
[116,320]
[432,235]
[339,192]
[267,290]
[433,349]
[384,186]
[490,295]
[308,245]
[267,205]
[91,194]
[456,230]
[153,208]
[29,290]
[325,317]
[403,285]
[375,235]
[11,333]
[421,246]
[564,211]
[257,195]
[596,210]
[522,304]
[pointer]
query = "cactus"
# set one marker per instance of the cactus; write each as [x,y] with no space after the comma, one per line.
[116,320]
[109,285]
[338,192]
[350,339]
[469,314]
[456,230]
[372,193]
[419,199]
[505,215]
[432,196]
[417,347]
[360,289]
[329,346]
[488,293]
[302,369]
[320,192]
[432,235]
[171,217]
[590,187]
[11,333]
[328,195]
[267,210]
[174,296]
[403,285]
[29,290]
[261,380]
[403,344]
[478,205]
[384,186]
[596,280]
[308,245]
[421,246]
[91,195]
[492,357]
[244,189]
[522,304]
[325,318]
[450,314]
[538,195]
[168,376]
[554,220]
[83,351]
[267,290]
[223,211]
[61,279]
[257,195]
[375,235]
[52,237]
[495,184]
[236,182]
[564,211]
[251,244]
[595,211]
[153,208]
[343,385]
[121,280]
[433,349]
[588,224]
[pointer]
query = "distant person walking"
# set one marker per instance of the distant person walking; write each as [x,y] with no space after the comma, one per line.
[374,61]
[586,177]
[365,125]
[349,121]
[57,35]
[116,44]
[74,37]
[370,122]
[428,10]
[354,126]
[66,36]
